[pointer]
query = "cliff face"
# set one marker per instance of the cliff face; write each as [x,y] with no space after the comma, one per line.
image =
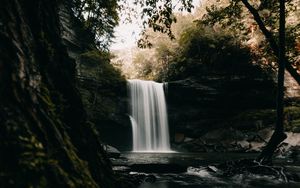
[197,105]
[44,138]
[102,87]
[213,102]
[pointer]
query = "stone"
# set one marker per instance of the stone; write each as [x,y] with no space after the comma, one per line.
[256,147]
[265,134]
[244,144]
[187,139]
[179,137]
[112,152]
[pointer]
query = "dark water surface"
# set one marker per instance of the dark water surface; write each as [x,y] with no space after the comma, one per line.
[197,176]
[186,159]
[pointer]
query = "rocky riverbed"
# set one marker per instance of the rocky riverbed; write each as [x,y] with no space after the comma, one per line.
[232,140]
[191,170]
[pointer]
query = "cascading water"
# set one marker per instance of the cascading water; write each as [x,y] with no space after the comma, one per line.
[148,116]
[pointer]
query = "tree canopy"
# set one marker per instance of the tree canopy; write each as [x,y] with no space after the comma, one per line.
[101,16]
[257,23]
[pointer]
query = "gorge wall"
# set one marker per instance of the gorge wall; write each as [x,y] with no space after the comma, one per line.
[199,105]
[222,106]
[101,86]
[45,139]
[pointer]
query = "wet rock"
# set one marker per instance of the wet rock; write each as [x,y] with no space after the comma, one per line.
[231,140]
[294,154]
[121,168]
[112,152]
[179,137]
[244,144]
[265,134]
[133,179]
[293,139]
[202,171]
[212,169]
[200,104]
[187,139]
[256,147]
[150,179]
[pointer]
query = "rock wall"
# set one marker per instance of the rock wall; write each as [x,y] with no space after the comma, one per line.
[45,140]
[292,87]
[213,101]
[102,87]
[197,105]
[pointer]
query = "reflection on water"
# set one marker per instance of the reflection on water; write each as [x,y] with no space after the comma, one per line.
[157,185]
[197,177]
[185,159]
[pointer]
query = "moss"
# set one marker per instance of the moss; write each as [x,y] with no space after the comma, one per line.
[23,156]
[96,64]
[39,145]
[258,119]
[254,119]
[292,118]
[45,97]
[100,97]
[49,48]
[93,57]
[293,112]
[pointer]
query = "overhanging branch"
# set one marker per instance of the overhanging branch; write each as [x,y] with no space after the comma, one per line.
[270,38]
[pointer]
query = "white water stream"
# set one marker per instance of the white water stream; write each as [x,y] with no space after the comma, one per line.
[148,115]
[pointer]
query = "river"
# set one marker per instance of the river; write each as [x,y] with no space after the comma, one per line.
[196,174]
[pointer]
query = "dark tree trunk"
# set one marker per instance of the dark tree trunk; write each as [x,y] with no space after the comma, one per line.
[278,135]
[44,138]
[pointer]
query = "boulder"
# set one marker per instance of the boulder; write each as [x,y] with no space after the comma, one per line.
[179,137]
[112,152]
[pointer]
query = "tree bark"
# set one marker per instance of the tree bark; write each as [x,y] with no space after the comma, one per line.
[278,135]
[44,138]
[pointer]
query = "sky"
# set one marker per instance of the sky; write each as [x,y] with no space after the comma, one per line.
[126,34]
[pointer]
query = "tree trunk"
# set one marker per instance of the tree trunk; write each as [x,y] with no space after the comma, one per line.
[44,138]
[278,135]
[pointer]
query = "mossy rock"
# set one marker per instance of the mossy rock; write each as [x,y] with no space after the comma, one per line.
[259,119]
[93,57]
[96,64]
[294,126]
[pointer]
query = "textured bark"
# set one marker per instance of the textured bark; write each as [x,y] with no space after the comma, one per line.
[44,138]
[278,135]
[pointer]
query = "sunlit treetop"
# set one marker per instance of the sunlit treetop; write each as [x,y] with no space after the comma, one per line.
[159,15]
[101,16]
[234,15]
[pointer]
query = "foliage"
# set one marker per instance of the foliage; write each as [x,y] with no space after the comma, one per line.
[101,84]
[159,16]
[219,49]
[197,51]
[258,119]
[144,66]
[233,15]
[99,16]
[96,64]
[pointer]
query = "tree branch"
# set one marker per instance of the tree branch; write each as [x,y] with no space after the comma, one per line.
[270,38]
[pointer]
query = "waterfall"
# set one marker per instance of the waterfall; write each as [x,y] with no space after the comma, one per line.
[148,116]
